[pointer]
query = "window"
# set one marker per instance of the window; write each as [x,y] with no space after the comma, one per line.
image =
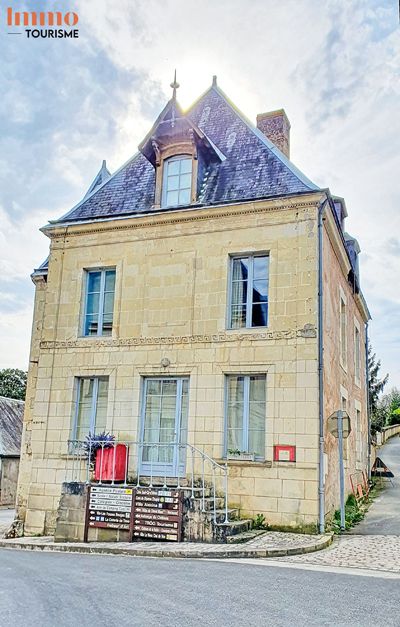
[343,333]
[358,436]
[177,182]
[249,292]
[164,421]
[245,414]
[100,287]
[357,353]
[91,407]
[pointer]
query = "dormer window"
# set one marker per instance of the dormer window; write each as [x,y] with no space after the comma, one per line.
[177,181]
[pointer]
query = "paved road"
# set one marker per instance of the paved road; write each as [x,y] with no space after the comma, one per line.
[66,590]
[383,517]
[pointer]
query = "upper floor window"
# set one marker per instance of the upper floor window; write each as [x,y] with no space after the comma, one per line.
[177,181]
[343,332]
[249,291]
[357,354]
[99,304]
[91,407]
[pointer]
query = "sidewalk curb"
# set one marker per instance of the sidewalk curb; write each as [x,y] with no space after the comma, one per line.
[140,552]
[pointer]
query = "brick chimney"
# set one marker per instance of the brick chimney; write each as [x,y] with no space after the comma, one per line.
[276,127]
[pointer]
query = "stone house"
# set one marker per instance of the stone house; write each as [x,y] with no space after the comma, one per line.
[11,418]
[206,295]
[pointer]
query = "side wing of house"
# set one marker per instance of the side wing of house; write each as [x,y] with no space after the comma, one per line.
[345,317]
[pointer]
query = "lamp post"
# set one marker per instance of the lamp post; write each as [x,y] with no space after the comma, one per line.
[340,427]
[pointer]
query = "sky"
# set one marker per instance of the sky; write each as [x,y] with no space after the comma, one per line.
[68,104]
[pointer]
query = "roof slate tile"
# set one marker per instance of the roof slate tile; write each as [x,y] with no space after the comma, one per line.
[254,168]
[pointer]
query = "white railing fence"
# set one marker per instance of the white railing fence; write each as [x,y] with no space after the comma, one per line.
[151,464]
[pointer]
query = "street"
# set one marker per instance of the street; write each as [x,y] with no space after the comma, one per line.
[383,517]
[356,582]
[67,590]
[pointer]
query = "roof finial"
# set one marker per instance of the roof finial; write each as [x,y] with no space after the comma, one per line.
[174,86]
[214,81]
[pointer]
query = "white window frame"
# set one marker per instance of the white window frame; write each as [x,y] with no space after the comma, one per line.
[93,409]
[358,430]
[342,336]
[164,193]
[246,412]
[249,297]
[103,271]
[357,362]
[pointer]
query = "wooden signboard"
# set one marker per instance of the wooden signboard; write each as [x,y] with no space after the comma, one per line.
[157,514]
[109,507]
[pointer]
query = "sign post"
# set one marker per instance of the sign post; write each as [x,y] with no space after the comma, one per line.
[340,427]
[341,469]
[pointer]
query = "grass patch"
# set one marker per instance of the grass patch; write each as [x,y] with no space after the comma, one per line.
[354,511]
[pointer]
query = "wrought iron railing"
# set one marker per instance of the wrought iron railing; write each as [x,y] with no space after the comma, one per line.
[151,464]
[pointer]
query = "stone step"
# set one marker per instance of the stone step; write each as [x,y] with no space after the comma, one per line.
[245,536]
[233,514]
[232,528]
[208,502]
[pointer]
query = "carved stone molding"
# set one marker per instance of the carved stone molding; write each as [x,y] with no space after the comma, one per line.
[308,331]
[145,220]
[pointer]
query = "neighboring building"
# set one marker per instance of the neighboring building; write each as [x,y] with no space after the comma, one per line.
[180,303]
[11,419]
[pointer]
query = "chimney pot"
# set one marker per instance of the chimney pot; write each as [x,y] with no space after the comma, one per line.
[276,127]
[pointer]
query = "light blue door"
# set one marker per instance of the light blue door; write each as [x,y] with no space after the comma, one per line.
[164,427]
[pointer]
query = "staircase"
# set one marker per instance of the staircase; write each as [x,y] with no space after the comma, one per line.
[205,518]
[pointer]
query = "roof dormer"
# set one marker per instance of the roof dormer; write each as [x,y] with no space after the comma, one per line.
[175,146]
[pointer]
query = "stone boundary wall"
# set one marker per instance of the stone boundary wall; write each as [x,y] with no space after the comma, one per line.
[387,433]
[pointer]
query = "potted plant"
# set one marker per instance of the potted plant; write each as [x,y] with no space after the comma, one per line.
[108,458]
[235,453]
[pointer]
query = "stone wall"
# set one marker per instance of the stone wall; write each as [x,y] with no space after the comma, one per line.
[340,379]
[8,480]
[171,302]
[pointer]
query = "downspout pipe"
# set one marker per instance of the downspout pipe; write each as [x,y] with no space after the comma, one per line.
[321,472]
[368,403]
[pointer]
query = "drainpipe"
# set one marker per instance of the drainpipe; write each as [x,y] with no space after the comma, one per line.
[368,404]
[321,477]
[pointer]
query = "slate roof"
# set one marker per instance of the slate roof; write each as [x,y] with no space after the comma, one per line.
[254,168]
[43,269]
[11,417]
[102,176]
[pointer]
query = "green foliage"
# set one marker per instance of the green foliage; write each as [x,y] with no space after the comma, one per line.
[388,410]
[259,522]
[354,511]
[375,387]
[13,383]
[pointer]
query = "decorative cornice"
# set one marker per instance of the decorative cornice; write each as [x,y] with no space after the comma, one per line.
[195,214]
[308,331]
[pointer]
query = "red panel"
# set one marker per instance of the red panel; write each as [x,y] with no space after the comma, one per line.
[110,463]
[284,453]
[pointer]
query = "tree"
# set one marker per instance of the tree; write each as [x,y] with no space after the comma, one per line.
[393,401]
[13,383]
[375,387]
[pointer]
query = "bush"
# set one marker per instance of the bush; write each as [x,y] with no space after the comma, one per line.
[353,513]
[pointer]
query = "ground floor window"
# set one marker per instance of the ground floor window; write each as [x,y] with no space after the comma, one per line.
[245,414]
[91,407]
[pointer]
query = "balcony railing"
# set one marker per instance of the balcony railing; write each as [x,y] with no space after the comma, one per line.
[151,464]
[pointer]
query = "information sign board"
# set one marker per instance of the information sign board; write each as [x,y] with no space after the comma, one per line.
[109,507]
[157,514]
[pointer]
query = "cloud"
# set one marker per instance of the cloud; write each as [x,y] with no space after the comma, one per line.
[334,67]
